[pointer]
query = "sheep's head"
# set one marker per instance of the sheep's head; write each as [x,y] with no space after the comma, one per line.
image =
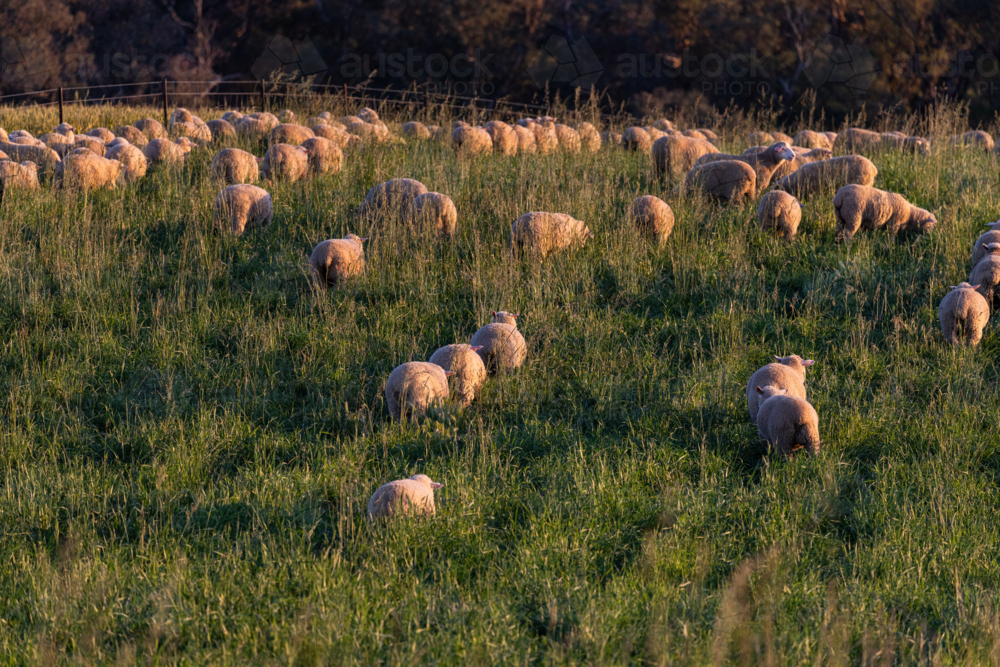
[796,362]
[424,479]
[769,391]
[991,247]
[993,225]
[923,219]
[502,316]
[355,238]
[780,150]
[964,286]
[820,154]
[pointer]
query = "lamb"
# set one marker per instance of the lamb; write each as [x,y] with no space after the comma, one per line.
[414,496]
[505,141]
[325,157]
[86,171]
[336,260]
[242,207]
[787,422]
[525,140]
[569,140]
[732,180]
[864,207]
[434,211]
[391,199]
[546,233]
[992,236]
[416,130]
[471,141]
[836,172]
[233,166]
[590,139]
[132,160]
[636,139]
[652,217]
[415,386]
[284,162]
[810,139]
[14,176]
[221,129]
[788,373]
[963,314]
[985,274]
[133,135]
[546,139]
[501,347]
[676,154]
[103,134]
[764,162]
[151,129]
[781,212]
[164,152]
[293,135]
[468,367]
[976,138]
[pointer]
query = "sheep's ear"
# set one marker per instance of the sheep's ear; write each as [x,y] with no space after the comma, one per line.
[364,239]
[759,390]
[494,313]
[517,315]
[976,286]
[436,485]
[808,362]
[476,348]
[449,372]
[777,358]
[952,286]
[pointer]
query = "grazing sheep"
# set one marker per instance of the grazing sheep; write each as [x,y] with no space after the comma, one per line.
[504,317]
[14,176]
[859,140]
[787,373]
[992,236]
[676,154]
[151,129]
[293,135]
[779,211]
[325,157]
[84,170]
[985,274]
[190,130]
[43,157]
[434,211]
[963,314]
[233,166]
[764,162]
[655,134]
[286,116]
[132,160]
[802,156]
[864,207]
[664,125]
[391,200]
[501,347]
[415,386]
[344,140]
[611,139]
[95,145]
[336,260]
[901,142]
[269,120]
[732,180]
[347,121]
[3,156]
[103,134]
[164,152]
[416,130]
[242,207]
[4,137]
[590,138]
[502,135]
[404,497]
[368,115]
[468,367]
[546,139]
[231,116]
[810,139]
[471,141]
[545,233]
[252,128]
[569,140]
[652,217]
[815,177]
[181,115]
[221,129]
[708,134]
[789,423]
[371,133]
[525,140]
[694,134]
[976,138]
[285,163]
[636,139]
[133,135]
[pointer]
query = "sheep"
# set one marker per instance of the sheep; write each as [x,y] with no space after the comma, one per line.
[709,134]
[268,120]
[434,211]
[471,141]
[985,275]
[732,180]
[545,233]
[14,176]
[779,211]
[546,139]
[823,175]
[787,373]
[963,314]
[85,171]
[468,367]
[233,166]
[3,156]
[992,236]
[190,130]
[636,139]
[372,133]
[103,134]
[284,162]
[590,138]
[788,422]
[864,207]
[368,115]
[151,129]
[231,116]
[976,138]
[694,134]
[664,125]
[336,260]
[132,160]
[164,152]
[221,129]
[415,386]
[810,139]
[652,217]
[133,135]
[413,496]
[325,157]
[185,144]
[286,116]
[4,137]
[505,141]
[769,138]
[181,115]
[901,142]
[611,139]
[392,199]
[416,130]
[676,154]
[501,347]
[504,317]
[43,157]
[252,128]
[95,145]
[344,140]
[242,207]
[525,140]
[764,162]
[859,140]
[293,135]
[569,140]
[802,156]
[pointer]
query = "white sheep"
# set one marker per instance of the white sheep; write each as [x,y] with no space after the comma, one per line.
[676,154]
[403,497]
[569,140]
[859,207]
[133,135]
[501,346]
[133,162]
[526,143]
[15,176]
[636,139]
[414,387]
[992,236]
[151,129]
[242,207]
[221,129]
[788,422]
[652,217]
[545,233]
[787,373]
[325,156]
[433,211]
[830,174]
[164,152]
[732,180]
[391,200]
[590,138]
[467,366]
[336,260]
[233,166]
[291,134]
[963,314]
[779,211]
[471,141]
[985,274]
[85,171]
[416,130]
[285,162]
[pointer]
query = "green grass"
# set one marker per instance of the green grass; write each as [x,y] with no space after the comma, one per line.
[191,431]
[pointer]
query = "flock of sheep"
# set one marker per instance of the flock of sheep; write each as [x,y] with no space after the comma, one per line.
[792,167]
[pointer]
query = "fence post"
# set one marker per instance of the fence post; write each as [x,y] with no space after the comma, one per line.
[60,105]
[166,120]
[263,95]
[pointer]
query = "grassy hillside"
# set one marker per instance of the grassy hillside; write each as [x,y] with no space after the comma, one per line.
[191,431]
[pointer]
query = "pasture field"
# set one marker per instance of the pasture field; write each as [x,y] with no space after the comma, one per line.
[190,430]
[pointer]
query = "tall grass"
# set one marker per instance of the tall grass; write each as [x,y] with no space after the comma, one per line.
[191,431]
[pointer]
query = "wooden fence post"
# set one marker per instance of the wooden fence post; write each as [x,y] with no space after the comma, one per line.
[263,95]
[60,105]
[166,119]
